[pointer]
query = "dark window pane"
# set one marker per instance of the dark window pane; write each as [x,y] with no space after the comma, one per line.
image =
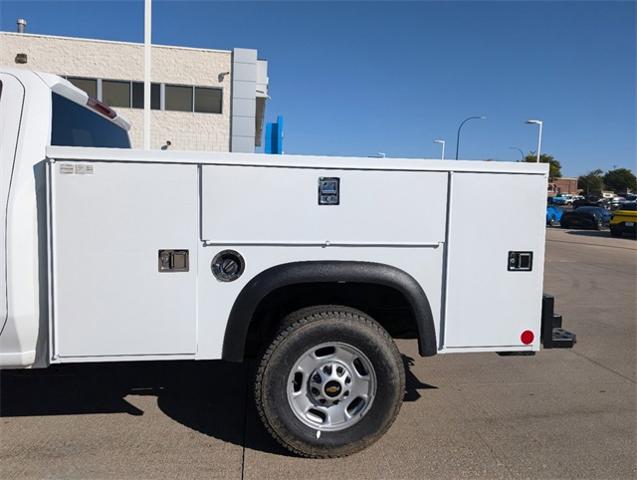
[208,100]
[138,95]
[89,85]
[178,98]
[116,94]
[155,93]
[76,126]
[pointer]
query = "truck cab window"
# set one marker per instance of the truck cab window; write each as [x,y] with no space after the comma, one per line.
[76,126]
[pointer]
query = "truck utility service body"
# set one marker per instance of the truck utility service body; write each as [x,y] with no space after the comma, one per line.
[113,254]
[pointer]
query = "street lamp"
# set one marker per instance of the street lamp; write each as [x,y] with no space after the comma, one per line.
[441,142]
[478,117]
[539,136]
[519,150]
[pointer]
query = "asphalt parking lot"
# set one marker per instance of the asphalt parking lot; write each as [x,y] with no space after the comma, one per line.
[558,414]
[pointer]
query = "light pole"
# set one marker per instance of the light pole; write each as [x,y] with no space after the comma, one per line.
[477,117]
[539,136]
[519,150]
[441,142]
[148,7]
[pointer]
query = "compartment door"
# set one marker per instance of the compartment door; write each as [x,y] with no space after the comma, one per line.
[112,294]
[488,305]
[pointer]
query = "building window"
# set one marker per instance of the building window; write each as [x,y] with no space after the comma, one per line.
[116,93]
[128,94]
[208,100]
[138,95]
[89,85]
[178,98]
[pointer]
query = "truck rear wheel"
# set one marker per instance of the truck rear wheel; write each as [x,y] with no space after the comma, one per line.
[331,383]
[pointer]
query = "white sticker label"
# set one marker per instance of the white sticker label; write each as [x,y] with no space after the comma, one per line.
[84,169]
[78,169]
[66,168]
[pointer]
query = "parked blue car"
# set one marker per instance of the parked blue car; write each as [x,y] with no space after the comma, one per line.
[553,215]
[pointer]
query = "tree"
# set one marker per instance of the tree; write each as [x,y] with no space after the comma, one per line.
[592,183]
[620,180]
[555,170]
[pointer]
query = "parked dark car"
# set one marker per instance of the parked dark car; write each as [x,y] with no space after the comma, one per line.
[586,217]
[585,203]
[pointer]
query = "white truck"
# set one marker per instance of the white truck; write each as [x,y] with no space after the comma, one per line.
[310,264]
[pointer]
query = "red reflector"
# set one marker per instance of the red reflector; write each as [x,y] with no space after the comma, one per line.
[527,337]
[101,107]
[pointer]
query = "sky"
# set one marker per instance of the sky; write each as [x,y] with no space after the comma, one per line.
[358,78]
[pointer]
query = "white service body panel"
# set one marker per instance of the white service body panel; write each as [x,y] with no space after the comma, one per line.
[109,220]
[274,205]
[110,300]
[272,217]
[487,306]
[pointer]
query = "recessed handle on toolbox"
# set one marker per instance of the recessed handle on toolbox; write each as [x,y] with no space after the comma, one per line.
[173,261]
[520,261]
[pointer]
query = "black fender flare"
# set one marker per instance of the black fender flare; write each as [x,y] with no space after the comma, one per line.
[293,273]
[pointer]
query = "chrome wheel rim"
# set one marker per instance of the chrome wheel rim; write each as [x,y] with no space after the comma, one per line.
[331,386]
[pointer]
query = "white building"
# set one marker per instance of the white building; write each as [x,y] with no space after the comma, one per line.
[201,99]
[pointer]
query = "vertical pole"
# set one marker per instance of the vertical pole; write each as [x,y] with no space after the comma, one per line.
[147,44]
[443,150]
[539,143]
[458,140]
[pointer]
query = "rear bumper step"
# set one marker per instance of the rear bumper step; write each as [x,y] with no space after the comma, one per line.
[553,335]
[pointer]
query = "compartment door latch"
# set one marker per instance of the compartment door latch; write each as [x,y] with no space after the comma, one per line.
[173,261]
[520,262]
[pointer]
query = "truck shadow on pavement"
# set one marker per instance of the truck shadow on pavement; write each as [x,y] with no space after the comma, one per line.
[213,398]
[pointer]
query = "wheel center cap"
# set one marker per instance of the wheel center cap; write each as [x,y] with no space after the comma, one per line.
[333,388]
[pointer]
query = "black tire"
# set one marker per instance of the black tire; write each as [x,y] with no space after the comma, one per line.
[598,225]
[300,332]
[616,231]
[565,225]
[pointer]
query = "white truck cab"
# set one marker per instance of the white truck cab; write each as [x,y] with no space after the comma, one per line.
[310,263]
